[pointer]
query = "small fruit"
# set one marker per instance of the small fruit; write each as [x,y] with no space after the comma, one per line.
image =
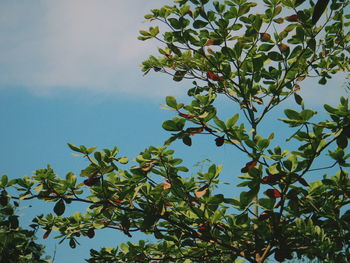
[219,141]
[91,233]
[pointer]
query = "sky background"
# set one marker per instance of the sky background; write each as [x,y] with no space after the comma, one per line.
[70,72]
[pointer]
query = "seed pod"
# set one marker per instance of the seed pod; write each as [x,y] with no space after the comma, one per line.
[219,141]
[72,243]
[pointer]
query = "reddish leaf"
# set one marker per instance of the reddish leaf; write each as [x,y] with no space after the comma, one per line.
[279,20]
[296,87]
[166,185]
[168,204]
[270,179]
[258,100]
[46,234]
[249,166]
[194,201]
[273,193]
[301,78]
[202,191]
[194,131]
[209,42]
[148,168]
[214,77]
[292,18]
[186,116]
[283,47]
[168,55]
[199,194]
[189,12]
[265,215]
[92,179]
[140,258]
[265,37]
[204,227]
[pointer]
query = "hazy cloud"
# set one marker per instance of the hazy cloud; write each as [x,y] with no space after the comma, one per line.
[48,46]
[90,44]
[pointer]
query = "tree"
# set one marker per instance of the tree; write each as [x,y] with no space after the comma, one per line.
[17,245]
[256,56]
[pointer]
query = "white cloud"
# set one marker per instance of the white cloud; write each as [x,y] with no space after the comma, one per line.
[316,94]
[90,44]
[47,46]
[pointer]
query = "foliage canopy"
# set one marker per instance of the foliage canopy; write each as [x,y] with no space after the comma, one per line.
[256,55]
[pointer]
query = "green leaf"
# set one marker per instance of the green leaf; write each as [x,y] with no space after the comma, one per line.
[247,197]
[319,8]
[144,33]
[298,99]
[307,114]
[174,23]
[187,140]
[71,179]
[275,56]
[14,223]
[154,31]
[59,207]
[232,121]
[74,148]
[242,219]
[199,24]
[265,47]
[342,141]
[170,125]
[171,102]
[299,2]
[123,160]
[219,123]
[267,203]
[175,49]
[330,109]
[179,75]
[4,181]
[292,114]
[294,162]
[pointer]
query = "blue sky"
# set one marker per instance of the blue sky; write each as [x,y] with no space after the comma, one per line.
[69,72]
